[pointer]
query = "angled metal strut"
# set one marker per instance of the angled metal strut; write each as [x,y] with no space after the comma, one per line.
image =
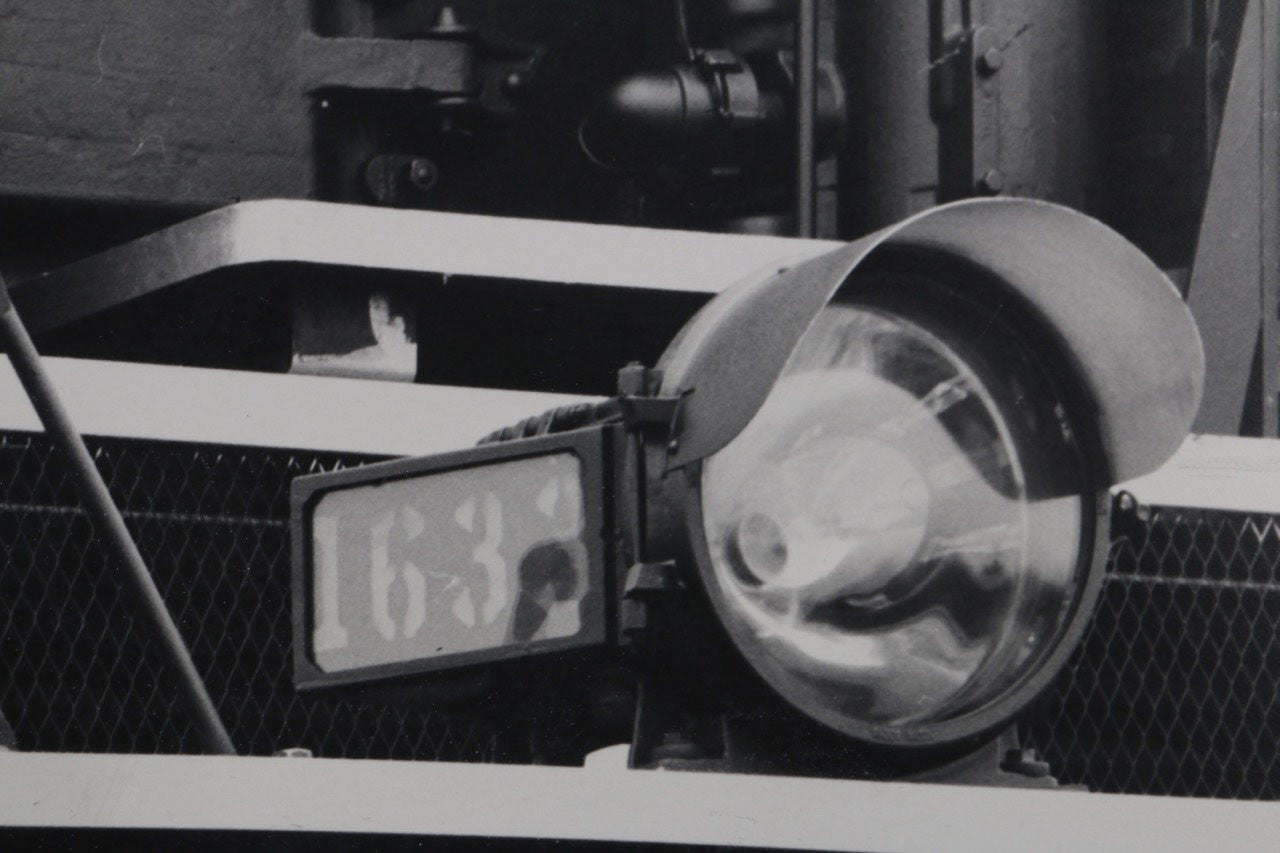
[108,523]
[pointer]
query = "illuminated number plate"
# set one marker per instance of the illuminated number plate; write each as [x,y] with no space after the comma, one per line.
[426,564]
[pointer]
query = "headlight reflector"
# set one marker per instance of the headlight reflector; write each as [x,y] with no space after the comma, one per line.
[878,545]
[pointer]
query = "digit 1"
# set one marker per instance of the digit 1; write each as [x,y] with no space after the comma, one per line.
[328,634]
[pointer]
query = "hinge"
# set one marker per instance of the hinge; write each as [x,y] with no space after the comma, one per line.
[644,582]
[642,408]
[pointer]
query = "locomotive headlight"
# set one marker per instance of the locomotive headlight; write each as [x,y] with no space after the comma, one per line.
[900,524]
[872,537]
[880,474]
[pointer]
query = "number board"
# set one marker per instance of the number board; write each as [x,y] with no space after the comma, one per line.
[419,565]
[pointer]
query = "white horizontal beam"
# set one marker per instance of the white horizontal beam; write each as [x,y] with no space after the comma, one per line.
[1222,472]
[270,410]
[527,249]
[362,416]
[340,795]
[362,238]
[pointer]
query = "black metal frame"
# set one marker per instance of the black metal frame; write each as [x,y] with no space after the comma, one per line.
[590,445]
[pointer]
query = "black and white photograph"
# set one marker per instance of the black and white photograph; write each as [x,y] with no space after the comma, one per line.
[639,424]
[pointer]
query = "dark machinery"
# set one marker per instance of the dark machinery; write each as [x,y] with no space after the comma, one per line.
[824,118]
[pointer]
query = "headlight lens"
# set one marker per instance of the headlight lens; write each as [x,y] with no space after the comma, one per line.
[878,548]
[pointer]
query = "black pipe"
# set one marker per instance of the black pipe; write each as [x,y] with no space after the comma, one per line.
[806,58]
[108,522]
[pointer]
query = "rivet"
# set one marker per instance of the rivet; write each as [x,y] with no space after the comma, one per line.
[991,60]
[991,182]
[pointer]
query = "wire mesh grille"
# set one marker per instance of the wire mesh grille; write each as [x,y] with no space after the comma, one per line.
[77,673]
[1174,689]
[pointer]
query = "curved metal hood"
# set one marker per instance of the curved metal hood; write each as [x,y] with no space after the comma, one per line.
[1128,334]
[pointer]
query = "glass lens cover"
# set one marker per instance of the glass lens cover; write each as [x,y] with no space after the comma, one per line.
[875,548]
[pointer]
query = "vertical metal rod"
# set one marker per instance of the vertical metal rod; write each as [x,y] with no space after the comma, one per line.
[1269,194]
[108,523]
[806,58]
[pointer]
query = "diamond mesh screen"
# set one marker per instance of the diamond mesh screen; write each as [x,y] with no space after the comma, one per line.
[77,673]
[1174,689]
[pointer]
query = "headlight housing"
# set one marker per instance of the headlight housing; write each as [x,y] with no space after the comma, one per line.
[901,540]
[891,461]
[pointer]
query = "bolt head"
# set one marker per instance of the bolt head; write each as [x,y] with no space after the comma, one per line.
[991,182]
[294,752]
[516,85]
[423,174]
[991,60]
